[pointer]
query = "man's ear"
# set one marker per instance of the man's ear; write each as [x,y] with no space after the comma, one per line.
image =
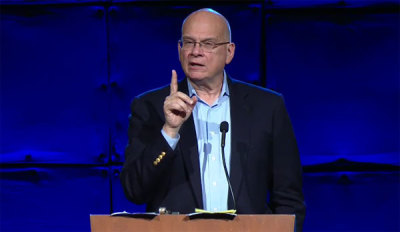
[230,53]
[179,51]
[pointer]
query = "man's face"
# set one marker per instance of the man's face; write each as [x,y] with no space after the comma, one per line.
[198,64]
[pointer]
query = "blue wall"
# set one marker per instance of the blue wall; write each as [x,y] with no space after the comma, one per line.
[69,70]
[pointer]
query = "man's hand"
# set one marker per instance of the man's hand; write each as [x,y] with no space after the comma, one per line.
[177,108]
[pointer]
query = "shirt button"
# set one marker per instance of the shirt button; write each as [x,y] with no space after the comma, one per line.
[215,209]
[213,158]
[215,183]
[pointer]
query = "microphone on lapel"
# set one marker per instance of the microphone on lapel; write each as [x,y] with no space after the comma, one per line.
[224,128]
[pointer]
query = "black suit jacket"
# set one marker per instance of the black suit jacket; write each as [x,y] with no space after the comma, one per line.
[265,166]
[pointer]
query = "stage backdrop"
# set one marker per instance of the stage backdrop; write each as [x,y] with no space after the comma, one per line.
[70,68]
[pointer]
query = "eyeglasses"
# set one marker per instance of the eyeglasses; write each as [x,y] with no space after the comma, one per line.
[207,46]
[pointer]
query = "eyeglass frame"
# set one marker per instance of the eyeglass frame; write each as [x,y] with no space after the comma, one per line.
[201,44]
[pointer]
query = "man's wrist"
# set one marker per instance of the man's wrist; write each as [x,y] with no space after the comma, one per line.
[170,140]
[171,132]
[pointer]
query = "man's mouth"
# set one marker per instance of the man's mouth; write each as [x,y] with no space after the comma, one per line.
[195,64]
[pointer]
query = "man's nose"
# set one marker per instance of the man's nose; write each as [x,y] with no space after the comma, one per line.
[197,49]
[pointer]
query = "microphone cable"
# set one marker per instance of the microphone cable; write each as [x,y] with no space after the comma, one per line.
[224,127]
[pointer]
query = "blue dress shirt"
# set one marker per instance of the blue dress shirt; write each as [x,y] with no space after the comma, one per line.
[207,120]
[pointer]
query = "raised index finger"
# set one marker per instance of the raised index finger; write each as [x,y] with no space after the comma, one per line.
[174,82]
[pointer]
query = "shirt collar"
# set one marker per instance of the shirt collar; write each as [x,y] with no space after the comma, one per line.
[224,90]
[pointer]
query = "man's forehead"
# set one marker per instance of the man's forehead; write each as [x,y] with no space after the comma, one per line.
[200,38]
[204,26]
[206,23]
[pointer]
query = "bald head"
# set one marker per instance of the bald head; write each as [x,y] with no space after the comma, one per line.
[210,16]
[202,64]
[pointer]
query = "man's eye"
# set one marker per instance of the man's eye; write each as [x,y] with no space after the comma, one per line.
[209,44]
[188,42]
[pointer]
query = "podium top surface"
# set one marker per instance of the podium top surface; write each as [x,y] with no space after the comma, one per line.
[161,223]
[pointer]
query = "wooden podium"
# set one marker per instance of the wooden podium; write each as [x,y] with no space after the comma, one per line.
[175,223]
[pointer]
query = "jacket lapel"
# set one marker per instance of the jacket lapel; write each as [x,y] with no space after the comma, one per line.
[189,152]
[239,138]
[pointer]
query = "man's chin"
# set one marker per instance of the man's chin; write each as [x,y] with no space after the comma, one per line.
[196,76]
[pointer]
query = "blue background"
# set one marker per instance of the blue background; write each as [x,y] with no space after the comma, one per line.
[70,68]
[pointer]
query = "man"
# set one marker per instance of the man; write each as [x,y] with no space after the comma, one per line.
[173,158]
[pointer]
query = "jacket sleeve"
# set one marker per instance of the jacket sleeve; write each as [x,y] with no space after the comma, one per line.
[147,155]
[287,193]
